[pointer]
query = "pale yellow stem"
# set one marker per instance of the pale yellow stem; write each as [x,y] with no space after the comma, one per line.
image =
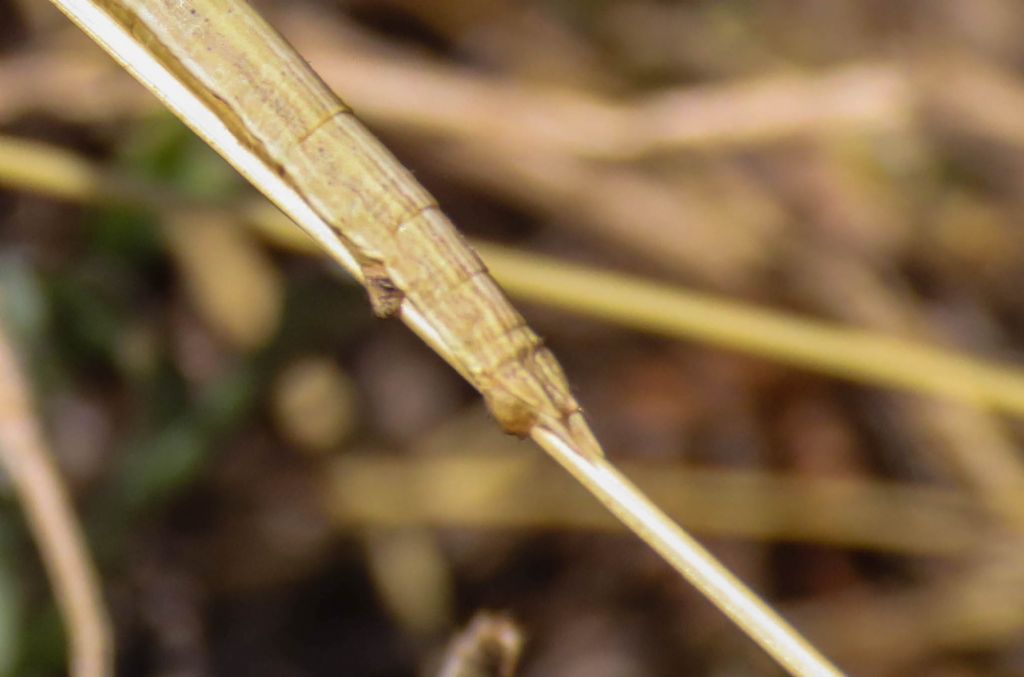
[51,518]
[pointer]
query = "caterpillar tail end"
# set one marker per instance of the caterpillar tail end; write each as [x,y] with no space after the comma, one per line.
[573,432]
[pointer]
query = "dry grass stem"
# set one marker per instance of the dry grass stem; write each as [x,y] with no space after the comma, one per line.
[51,519]
[627,502]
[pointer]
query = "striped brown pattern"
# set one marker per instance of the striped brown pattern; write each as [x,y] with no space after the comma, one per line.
[409,252]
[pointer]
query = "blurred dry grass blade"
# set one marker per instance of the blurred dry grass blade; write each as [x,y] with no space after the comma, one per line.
[231,280]
[849,352]
[40,81]
[976,609]
[51,519]
[412,577]
[315,404]
[508,490]
[301,146]
[397,91]
[668,223]
[489,647]
[975,95]
[965,442]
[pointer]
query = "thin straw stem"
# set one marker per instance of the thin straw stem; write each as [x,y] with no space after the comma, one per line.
[51,520]
[689,558]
